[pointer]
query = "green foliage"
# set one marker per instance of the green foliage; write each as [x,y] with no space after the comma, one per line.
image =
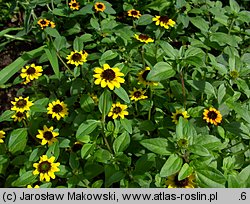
[201,61]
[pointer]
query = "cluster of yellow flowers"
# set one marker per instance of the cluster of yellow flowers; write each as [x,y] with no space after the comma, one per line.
[45,23]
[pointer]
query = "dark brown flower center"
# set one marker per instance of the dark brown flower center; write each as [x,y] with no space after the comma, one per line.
[21,103]
[74,4]
[76,147]
[163,19]
[76,57]
[137,94]
[20,114]
[44,167]
[108,74]
[117,110]
[43,22]
[143,37]
[181,183]
[212,115]
[145,74]
[48,135]
[31,71]
[178,116]
[100,6]
[57,108]
[134,13]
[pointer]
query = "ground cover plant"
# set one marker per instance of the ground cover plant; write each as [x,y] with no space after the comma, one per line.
[151,94]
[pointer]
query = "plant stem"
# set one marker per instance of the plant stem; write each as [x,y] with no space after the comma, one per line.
[65,65]
[103,133]
[183,89]
[142,56]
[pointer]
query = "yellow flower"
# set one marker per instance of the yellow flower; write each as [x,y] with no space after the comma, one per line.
[99,7]
[107,76]
[2,133]
[52,24]
[58,109]
[21,104]
[47,135]
[212,116]
[36,186]
[74,5]
[19,116]
[173,182]
[77,58]
[143,38]
[118,110]
[164,21]
[46,168]
[31,72]
[175,116]
[43,23]
[134,13]
[137,94]
[142,77]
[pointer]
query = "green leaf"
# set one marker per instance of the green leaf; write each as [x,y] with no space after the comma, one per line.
[108,55]
[14,67]
[105,102]
[78,44]
[244,177]
[86,37]
[102,155]
[202,86]
[112,176]
[158,145]
[86,128]
[200,23]
[17,141]
[209,177]
[127,125]
[59,43]
[147,125]
[221,93]
[86,150]
[94,23]
[234,6]
[91,170]
[161,71]
[87,103]
[6,115]
[121,143]
[53,150]
[52,56]
[52,32]
[185,171]
[233,182]
[25,179]
[73,161]
[242,112]
[145,163]
[199,150]
[145,19]
[122,94]
[168,49]
[35,154]
[171,166]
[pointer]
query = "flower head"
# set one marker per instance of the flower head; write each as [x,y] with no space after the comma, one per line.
[108,76]
[164,21]
[77,58]
[118,110]
[175,116]
[142,77]
[74,5]
[36,186]
[212,116]
[173,182]
[47,135]
[76,146]
[46,168]
[2,133]
[52,24]
[143,38]
[134,13]
[21,104]
[99,7]
[31,72]
[43,23]
[58,109]
[137,94]
[19,116]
